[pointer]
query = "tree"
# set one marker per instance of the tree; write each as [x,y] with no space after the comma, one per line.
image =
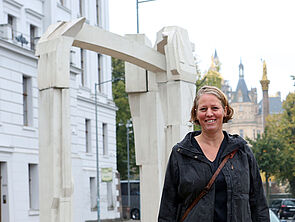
[287,132]
[267,151]
[212,77]
[293,78]
[282,127]
[123,114]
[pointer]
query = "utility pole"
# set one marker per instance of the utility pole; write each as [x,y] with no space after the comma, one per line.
[137,15]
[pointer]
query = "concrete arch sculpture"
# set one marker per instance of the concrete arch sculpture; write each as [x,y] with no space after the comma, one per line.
[160,84]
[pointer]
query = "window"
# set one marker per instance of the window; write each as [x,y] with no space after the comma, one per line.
[242,133]
[240,99]
[33,34]
[27,101]
[254,135]
[110,196]
[99,73]
[93,192]
[88,135]
[82,54]
[105,138]
[258,132]
[33,187]
[11,20]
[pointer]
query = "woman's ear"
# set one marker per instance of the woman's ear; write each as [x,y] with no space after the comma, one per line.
[225,111]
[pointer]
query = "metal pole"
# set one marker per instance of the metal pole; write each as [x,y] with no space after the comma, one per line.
[137,17]
[97,154]
[128,162]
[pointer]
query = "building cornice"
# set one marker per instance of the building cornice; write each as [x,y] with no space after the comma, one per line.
[17,49]
[34,13]
[14,3]
[109,105]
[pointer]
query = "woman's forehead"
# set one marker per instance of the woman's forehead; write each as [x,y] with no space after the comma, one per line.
[209,99]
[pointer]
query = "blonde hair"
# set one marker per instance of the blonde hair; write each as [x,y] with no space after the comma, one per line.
[220,95]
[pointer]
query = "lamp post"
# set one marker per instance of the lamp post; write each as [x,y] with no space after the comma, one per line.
[138,2]
[128,125]
[96,139]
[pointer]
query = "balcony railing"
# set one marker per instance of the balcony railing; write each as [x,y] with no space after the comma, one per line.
[9,34]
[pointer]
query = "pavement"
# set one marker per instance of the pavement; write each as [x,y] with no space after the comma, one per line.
[130,220]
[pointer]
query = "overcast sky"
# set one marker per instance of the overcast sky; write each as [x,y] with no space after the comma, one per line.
[251,30]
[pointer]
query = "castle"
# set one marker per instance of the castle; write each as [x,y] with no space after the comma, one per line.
[249,114]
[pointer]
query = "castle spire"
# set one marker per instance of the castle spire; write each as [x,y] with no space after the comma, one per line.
[241,70]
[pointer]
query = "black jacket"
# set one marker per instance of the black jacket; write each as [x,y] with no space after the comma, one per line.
[189,171]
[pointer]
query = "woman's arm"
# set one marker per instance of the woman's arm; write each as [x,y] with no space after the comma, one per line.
[258,204]
[169,203]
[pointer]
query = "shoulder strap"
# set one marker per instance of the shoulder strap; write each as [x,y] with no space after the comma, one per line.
[207,188]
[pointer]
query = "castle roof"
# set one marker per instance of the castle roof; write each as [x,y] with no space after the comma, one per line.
[241,94]
[275,105]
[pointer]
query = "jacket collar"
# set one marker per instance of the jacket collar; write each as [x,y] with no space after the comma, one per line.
[186,147]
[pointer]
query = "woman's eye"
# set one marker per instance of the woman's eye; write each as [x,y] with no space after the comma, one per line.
[202,109]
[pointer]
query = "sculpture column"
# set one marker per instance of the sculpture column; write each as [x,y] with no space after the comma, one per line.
[160,105]
[55,167]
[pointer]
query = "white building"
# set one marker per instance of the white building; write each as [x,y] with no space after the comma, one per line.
[21,23]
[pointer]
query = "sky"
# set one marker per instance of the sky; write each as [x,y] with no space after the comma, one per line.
[246,30]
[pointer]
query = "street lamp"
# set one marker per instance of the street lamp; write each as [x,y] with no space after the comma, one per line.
[137,2]
[96,139]
[128,125]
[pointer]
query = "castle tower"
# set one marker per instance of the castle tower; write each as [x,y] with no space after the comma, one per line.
[265,100]
[241,94]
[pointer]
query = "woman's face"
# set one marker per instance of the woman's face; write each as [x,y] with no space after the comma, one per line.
[210,113]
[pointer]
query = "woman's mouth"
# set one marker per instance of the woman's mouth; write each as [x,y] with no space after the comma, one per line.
[210,120]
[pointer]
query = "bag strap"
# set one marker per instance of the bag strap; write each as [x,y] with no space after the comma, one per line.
[207,188]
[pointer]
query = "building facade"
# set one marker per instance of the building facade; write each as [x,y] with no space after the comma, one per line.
[248,113]
[22,22]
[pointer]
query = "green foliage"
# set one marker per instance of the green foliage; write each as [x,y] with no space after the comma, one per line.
[213,78]
[268,153]
[280,131]
[287,133]
[123,114]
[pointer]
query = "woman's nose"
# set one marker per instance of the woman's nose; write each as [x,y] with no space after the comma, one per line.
[209,112]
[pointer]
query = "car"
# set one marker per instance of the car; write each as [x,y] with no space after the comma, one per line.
[134,208]
[284,208]
[273,217]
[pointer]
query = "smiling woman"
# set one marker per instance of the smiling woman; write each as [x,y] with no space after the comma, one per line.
[212,175]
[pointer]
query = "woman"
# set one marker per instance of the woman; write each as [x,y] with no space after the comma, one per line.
[237,193]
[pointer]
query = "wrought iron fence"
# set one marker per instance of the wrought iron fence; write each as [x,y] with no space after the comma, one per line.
[25,41]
